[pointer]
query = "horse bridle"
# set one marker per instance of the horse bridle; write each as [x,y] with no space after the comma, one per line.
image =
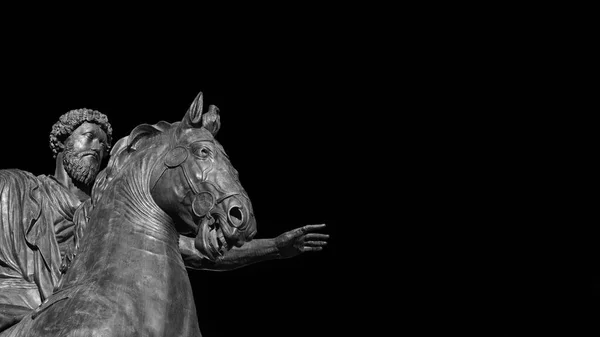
[203,202]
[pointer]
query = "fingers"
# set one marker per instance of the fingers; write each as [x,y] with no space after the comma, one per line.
[318,236]
[310,228]
[315,243]
[312,249]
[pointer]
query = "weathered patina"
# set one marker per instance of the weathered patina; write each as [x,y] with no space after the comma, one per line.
[128,276]
[39,213]
[168,199]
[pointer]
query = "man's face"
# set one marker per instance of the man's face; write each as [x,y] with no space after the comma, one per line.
[84,151]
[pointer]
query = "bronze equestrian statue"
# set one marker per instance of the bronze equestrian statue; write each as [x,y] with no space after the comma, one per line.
[169,190]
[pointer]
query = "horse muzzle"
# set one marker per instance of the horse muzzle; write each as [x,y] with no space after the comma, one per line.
[239,218]
[227,223]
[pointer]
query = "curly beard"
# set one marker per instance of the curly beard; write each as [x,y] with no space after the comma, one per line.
[81,168]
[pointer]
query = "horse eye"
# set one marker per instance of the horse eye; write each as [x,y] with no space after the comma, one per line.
[202,152]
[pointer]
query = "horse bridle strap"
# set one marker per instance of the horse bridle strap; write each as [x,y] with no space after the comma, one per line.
[203,201]
[176,156]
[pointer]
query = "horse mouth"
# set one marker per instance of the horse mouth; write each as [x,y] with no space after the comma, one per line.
[212,241]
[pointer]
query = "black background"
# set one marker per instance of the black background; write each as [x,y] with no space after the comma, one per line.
[282,117]
[456,239]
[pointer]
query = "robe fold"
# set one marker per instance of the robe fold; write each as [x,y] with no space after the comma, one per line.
[36,232]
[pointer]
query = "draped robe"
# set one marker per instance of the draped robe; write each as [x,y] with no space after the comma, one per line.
[37,222]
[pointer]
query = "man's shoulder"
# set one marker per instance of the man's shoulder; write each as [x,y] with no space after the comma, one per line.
[30,186]
[46,184]
[15,174]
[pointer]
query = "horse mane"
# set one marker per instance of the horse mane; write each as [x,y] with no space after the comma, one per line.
[123,150]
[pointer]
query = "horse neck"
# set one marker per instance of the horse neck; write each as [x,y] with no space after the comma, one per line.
[131,196]
[128,233]
[131,264]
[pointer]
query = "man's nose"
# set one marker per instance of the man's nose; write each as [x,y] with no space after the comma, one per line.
[98,147]
[96,144]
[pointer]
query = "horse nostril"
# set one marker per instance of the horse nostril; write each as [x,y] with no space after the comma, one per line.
[236,216]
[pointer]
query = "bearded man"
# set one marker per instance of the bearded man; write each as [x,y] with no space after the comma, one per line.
[38,214]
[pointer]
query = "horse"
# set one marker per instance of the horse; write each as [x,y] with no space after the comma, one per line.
[127,277]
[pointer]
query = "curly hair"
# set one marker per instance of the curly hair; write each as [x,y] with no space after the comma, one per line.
[70,121]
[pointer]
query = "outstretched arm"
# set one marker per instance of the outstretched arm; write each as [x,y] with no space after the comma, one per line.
[286,245]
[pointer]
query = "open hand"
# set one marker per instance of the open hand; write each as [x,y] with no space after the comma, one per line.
[301,240]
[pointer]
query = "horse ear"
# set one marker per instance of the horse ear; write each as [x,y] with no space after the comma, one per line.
[194,114]
[211,120]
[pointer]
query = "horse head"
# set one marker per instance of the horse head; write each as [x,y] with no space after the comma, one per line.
[192,179]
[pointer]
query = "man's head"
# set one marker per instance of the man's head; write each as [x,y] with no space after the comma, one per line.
[84,137]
